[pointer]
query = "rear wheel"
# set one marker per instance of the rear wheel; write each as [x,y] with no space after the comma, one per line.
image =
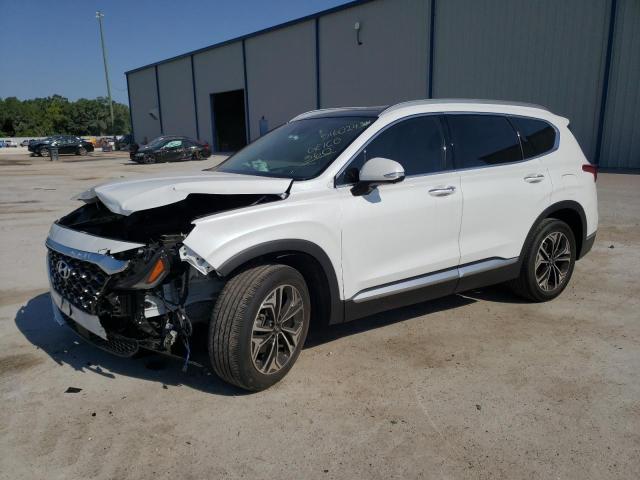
[81,151]
[196,156]
[259,325]
[548,263]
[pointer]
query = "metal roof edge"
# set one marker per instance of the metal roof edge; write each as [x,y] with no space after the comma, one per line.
[289,23]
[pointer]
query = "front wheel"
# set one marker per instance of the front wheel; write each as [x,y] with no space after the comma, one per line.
[259,325]
[548,262]
[148,158]
[81,151]
[44,152]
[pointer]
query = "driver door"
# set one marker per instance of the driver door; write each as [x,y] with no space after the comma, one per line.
[400,234]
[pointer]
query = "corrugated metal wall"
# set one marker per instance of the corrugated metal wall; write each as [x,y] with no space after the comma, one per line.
[217,70]
[391,64]
[281,75]
[143,98]
[621,140]
[549,52]
[545,51]
[176,96]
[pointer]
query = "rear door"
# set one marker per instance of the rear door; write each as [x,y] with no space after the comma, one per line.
[503,193]
[403,230]
[173,151]
[65,145]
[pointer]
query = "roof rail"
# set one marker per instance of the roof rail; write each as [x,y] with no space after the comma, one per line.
[440,101]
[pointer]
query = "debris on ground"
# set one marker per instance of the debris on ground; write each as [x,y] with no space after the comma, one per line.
[72,390]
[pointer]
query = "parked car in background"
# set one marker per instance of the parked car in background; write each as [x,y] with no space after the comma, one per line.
[170,149]
[66,144]
[333,216]
[10,144]
[25,143]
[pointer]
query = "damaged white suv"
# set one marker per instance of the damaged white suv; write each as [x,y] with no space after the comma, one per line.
[335,215]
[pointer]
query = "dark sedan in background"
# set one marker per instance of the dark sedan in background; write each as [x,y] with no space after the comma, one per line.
[66,144]
[170,149]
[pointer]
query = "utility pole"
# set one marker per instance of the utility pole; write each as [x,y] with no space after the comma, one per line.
[99,16]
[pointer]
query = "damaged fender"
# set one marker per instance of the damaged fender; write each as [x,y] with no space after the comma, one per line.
[218,238]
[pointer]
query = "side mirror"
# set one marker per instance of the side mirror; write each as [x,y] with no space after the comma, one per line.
[377,171]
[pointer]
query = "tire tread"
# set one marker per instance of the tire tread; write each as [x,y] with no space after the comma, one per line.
[227,319]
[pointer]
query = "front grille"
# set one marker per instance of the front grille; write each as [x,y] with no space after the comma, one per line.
[81,283]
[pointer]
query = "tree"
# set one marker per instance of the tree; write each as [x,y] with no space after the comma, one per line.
[40,117]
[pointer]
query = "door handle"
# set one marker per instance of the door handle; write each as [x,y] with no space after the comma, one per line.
[442,191]
[534,178]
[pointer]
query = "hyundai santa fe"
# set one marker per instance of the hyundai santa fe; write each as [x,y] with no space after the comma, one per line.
[337,214]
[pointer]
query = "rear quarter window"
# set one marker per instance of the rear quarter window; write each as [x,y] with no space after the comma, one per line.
[481,140]
[536,136]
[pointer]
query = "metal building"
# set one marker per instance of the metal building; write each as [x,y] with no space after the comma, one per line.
[580,58]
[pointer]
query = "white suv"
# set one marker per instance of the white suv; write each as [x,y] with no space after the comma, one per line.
[337,214]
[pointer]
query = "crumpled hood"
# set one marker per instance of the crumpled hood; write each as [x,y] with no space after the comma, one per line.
[126,197]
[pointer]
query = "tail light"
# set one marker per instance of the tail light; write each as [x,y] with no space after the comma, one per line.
[592,169]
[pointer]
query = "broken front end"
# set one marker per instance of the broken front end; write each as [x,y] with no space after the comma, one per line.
[128,282]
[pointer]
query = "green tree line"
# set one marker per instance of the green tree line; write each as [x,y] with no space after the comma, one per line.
[56,115]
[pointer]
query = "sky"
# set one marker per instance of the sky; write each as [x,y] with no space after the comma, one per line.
[53,47]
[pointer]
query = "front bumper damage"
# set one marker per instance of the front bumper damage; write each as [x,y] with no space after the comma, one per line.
[113,294]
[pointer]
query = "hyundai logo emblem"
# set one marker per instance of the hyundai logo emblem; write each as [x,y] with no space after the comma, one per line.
[63,269]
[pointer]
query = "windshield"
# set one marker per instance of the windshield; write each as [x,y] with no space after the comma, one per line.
[298,150]
[157,142]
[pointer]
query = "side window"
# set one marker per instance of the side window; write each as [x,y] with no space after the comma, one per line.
[173,144]
[416,143]
[536,136]
[480,140]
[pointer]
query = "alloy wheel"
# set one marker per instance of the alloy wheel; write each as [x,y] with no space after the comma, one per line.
[277,329]
[553,261]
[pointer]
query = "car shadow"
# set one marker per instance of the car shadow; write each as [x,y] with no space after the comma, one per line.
[319,335]
[35,321]
[496,294]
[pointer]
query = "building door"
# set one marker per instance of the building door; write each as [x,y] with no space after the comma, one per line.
[228,121]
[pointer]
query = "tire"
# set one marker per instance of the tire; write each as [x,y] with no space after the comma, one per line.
[44,152]
[196,156]
[536,267]
[240,323]
[148,159]
[81,151]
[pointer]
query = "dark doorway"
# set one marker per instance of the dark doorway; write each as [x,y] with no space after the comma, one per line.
[228,121]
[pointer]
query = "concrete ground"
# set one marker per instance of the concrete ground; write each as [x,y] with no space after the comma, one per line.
[479,385]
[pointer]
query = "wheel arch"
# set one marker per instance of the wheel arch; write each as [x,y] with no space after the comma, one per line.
[310,260]
[570,212]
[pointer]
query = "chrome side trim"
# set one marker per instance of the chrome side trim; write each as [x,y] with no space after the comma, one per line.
[405,286]
[485,266]
[433,279]
[90,322]
[107,263]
